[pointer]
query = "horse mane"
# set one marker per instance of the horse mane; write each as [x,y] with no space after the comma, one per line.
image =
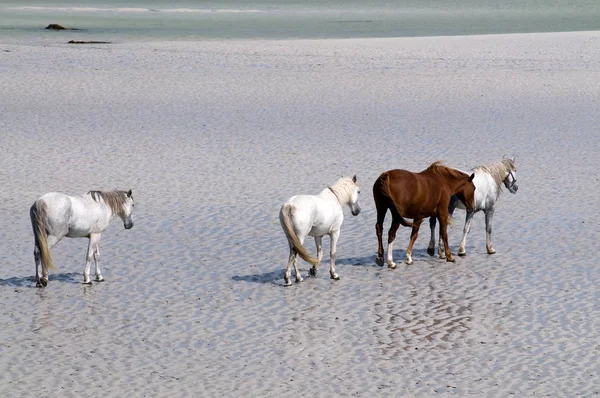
[113,199]
[498,170]
[439,168]
[342,189]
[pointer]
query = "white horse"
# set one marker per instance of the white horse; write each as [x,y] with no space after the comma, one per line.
[488,185]
[56,215]
[317,215]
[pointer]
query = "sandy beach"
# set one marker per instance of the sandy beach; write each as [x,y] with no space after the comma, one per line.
[213,136]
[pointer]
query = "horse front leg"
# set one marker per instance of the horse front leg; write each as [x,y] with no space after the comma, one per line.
[332,252]
[88,259]
[414,233]
[489,215]
[96,248]
[431,246]
[319,243]
[466,230]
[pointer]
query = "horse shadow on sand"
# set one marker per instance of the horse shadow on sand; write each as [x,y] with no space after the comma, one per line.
[275,277]
[29,281]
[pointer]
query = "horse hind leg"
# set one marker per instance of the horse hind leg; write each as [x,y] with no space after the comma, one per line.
[319,244]
[431,246]
[381,210]
[42,281]
[288,270]
[39,282]
[391,237]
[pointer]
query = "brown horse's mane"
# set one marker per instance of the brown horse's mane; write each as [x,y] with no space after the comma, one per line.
[114,199]
[498,170]
[441,169]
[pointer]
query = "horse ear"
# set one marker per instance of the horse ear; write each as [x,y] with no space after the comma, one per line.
[354,178]
[471,177]
[129,194]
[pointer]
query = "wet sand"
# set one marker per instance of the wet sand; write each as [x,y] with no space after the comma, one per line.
[212,137]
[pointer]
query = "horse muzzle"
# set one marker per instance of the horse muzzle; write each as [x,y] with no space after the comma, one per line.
[356,211]
[128,225]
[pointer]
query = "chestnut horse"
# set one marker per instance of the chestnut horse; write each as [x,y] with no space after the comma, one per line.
[417,196]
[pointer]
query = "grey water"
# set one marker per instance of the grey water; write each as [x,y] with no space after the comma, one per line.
[291,19]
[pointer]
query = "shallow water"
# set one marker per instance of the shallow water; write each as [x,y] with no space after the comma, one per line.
[188,20]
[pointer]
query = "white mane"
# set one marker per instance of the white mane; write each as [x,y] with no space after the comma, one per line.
[498,170]
[343,189]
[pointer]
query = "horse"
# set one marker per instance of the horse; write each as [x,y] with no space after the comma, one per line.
[317,215]
[488,182]
[416,196]
[56,215]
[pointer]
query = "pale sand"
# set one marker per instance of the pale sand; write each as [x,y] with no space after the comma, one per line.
[213,136]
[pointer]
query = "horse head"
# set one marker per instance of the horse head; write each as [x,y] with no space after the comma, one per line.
[354,207]
[126,210]
[510,181]
[466,193]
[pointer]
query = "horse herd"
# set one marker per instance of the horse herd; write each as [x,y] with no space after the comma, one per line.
[434,192]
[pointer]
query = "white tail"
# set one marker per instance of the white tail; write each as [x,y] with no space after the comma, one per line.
[288,228]
[38,217]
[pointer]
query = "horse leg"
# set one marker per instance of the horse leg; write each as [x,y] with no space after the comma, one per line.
[297,271]
[42,281]
[391,237]
[88,259]
[96,248]
[466,230]
[431,247]
[319,244]
[489,214]
[379,231]
[332,252]
[443,219]
[288,271]
[414,233]
[38,265]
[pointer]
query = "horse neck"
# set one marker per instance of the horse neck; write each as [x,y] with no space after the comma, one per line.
[105,208]
[455,182]
[337,195]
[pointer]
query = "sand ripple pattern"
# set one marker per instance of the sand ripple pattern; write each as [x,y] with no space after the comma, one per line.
[213,136]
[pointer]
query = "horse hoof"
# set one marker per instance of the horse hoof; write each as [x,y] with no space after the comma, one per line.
[491,251]
[335,277]
[379,261]
[99,279]
[89,283]
[462,254]
[450,260]
[39,284]
[430,251]
[287,283]
[312,272]
[392,266]
[44,282]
